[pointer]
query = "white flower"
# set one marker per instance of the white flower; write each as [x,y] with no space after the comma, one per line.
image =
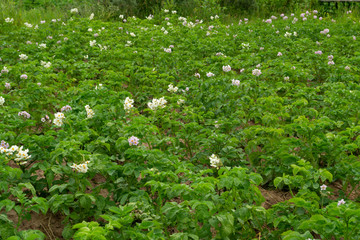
[28,25]
[2,101]
[59,115]
[86,56]
[102,47]
[42,45]
[210,74]
[341,202]
[92,43]
[91,16]
[173,12]
[90,29]
[190,25]
[9,20]
[166,32]
[90,113]
[58,122]
[47,64]
[197,75]
[121,16]
[286,78]
[168,50]
[132,34]
[215,161]
[256,72]
[172,88]
[347,68]
[323,187]
[82,168]
[22,155]
[245,45]
[128,104]
[166,11]
[100,86]
[23,57]
[235,82]
[287,34]
[180,101]
[13,148]
[74,10]
[157,103]
[226,68]
[128,44]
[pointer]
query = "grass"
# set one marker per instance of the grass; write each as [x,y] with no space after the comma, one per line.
[22,11]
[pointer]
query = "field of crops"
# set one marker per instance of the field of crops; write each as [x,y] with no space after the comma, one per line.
[175,128]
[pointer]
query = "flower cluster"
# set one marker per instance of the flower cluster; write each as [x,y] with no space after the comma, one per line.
[90,113]
[180,101]
[45,64]
[341,202]
[157,103]
[172,88]
[20,155]
[128,104]
[318,52]
[82,168]
[92,43]
[24,114]
[2,101]
[28,25]
[42,45]
[210,74]
[226,68]
[256,72]
[4,144]
[331,62]
[23,57]
[235,82]
[66,108]
[46,118]
[245,45]
[133,141]
[9,20]
[215,161]
[59,117]
[325,31]
[4,70]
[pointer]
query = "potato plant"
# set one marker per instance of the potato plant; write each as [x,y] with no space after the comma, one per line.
[170,128]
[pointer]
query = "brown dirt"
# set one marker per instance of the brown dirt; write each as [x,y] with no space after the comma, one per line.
[50,224]
[337,188]
[273,197]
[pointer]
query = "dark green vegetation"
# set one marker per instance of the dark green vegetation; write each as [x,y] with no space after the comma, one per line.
[25,10]
[293,127]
